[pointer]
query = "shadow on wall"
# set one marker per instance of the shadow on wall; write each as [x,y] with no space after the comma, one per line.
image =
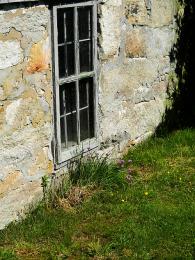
[181,114]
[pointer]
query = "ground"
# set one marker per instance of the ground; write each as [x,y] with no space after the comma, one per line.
[145,210]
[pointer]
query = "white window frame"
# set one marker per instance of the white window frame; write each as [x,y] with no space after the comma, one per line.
[63,156]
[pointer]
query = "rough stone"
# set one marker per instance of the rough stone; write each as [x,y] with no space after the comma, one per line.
[135,44]
[136,12]
[148,42]
[110,29]
[133,89]
[10,54]
[163,12]
[33,19]
[11,112]
[156,14]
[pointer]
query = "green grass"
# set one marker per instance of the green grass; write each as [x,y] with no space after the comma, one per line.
[153,217]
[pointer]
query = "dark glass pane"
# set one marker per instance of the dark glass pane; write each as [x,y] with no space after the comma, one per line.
[70,97]
[85,56]
[60,25]
[84,124]
[91,110]
[61,60]
[65,24]
[86,98]
[62,100]
[62,128]
[70,67]
[84,20]
[83,93]
[69,21]
[71,129]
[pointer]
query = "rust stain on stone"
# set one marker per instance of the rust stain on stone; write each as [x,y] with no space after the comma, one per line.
[135,45]
[39,58]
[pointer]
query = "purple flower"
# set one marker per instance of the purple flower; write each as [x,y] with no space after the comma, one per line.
[121,163]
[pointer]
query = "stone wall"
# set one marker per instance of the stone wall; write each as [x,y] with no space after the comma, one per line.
[26,127]
[135,39]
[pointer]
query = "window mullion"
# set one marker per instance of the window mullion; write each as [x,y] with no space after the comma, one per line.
[90,29]
[65,46]
[94,39]
[88,125]
[65,118]
[64,92]
[56,90]
[76,44]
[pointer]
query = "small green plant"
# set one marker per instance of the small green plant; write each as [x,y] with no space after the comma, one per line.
[45,184]
[59,189]
[96,170]
[7,255]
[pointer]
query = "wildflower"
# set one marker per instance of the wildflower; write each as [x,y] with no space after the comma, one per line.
[129,171]
[129,161]
[121,163]
[129,178]
[123,200]
[180,178]
[146,193]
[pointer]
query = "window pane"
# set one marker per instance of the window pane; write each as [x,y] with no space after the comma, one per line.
[60,25]
[91,124]
[85,56]
[70,66]
[86,99]
[91,111]
[65,24]
[66,59]
[70,97]
[84,20]
[62,129]
[68,112]
[69,21]
[62,100]
[71,129]
[61,61]
[83,93]
[66,49]
[84,124]
[67,98]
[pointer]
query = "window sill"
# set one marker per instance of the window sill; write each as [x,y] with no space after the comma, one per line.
[75,151]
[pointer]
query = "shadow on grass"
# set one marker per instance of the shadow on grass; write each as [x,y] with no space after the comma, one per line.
[182,112]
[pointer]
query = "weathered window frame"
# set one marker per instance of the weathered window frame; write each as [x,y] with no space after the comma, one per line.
[61,157]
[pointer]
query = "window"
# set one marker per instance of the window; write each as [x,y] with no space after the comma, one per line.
[75,55]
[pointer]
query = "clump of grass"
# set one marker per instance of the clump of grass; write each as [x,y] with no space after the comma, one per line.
[85,175]
[98,171]
[7,255]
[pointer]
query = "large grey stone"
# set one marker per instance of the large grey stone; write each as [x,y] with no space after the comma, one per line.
[110,16]
[149,42]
